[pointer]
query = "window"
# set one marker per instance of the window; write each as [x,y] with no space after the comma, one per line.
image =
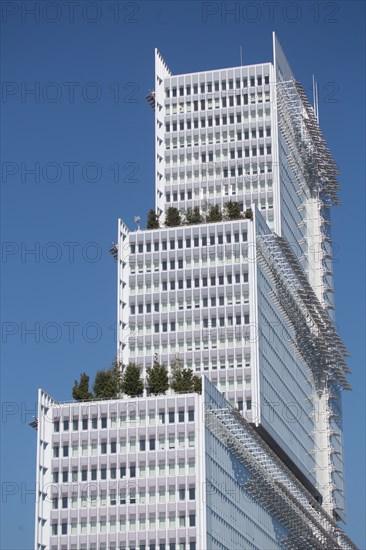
[103,448]
[63,528]
[152,444]
[94,423]
[191,415]
[56,451]
[103,473]
[192,520]
[132,471]
[122,471]
[93,474]
[142,444]
[182,521]
[65,450]
[171,417]
[181,416]
[192,493]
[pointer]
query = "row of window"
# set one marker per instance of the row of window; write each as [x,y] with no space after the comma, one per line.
[223,190]
[217,260]
[213,339]
[223,120]
[188,242]
[216,255]
[231,100]
[223,102]
[132,545]
[198,282]
[130,494]
[212,322]
[75,424]
[187,304]
[64,476]
[171,417]
[218,187]
[265,203]
[237,122]
[112,447]
[216,86]
[234,154]
[171,285]
[113,526]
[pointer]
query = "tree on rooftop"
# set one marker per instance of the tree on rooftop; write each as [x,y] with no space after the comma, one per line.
[193,216]
[232,211]
[80,390]
[249,213]
[152,220]
[197,384]
[107,383]
[214,214]
[132,383]
[172,217]
[157,378]
[181,378]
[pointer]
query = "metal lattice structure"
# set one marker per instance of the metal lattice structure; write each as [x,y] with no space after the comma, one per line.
[316,339]
[308,153]
[275,487]
[150,98]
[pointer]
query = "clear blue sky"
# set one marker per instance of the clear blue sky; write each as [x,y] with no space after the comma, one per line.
[87,119]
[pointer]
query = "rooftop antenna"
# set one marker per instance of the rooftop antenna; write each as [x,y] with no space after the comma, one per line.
[137,220]
[315,99]
[241,56]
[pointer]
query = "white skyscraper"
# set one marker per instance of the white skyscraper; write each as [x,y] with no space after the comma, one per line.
[246,301]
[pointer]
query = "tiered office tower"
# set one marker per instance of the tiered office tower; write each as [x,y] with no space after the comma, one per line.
[256,461]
